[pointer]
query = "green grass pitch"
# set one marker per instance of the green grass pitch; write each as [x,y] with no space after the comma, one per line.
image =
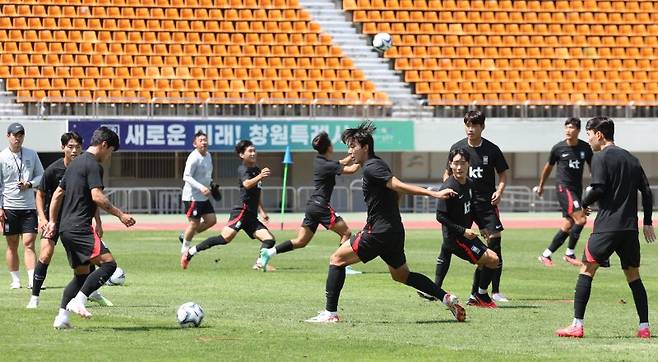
[259,316]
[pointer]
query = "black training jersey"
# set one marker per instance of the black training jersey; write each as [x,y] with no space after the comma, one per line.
[324,178]
[621,176]
[383,211]
[455,213]
[50,181]
[486,161]
[251,197]
[78,209]
[570,162]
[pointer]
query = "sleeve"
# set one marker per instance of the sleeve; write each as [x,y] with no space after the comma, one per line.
[553,157]
[190,167]
[2,184]
[588,156]
[336,168]
[647,198]
[94,176]
[378,171]
[599,172]
[62,182]
[501,163]
[45,180]
[37,172]
[243,174]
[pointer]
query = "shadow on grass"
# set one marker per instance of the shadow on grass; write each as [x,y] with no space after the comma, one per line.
[134,328]
[442,321]
[518,306]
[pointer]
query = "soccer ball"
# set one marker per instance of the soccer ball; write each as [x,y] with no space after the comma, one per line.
[117,278]
[382,42]
[189,314]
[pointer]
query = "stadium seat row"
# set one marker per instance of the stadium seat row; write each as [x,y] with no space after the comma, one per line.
[505,17]
[534,86]
[522,52]
[521,64]
[501,5]
[208,4]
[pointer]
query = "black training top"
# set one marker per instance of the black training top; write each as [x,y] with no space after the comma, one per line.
[383,211]
[251,197]
[570,162]
[621,176]
[78,209]
[324,178]
[50,181]
[486,161]
[455,213]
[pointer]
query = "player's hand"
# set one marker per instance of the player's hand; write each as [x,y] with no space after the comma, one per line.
[51,229]
[539,190]
[205,191]
[127,220]
[265,172]
[470,234]
[649,233]
[587,211]
[265,217]
[444,194]
[43,222]
[23,185]
[496,197]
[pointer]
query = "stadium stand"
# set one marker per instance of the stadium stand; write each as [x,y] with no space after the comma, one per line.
[511,52]
[233,51]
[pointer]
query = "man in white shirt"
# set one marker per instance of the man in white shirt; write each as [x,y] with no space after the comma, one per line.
[20,171]
[196,191]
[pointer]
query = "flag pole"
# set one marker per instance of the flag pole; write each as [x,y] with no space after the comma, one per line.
[287,160]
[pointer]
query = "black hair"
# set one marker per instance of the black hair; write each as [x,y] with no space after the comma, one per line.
[475,117]
[73,135]
[242,146]
[457,151]
[574,121]
[199,134]
[321,142]
[104,134]
[604,125]
[362,135]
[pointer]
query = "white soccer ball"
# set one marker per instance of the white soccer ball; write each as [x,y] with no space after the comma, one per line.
[382,42]
[117,278]
[190,314]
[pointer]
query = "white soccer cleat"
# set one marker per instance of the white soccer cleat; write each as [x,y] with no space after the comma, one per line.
[350,271]
[78,308]
[62,323]
[97,297]
[452,302]
[499,297]
[33,303]
[324,317]
[15,285]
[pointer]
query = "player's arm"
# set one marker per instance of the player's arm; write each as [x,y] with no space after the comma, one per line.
[398,186]
[99,223]
[37,174]
[502,182]
[543,177]
[53,212]
[2,199]
[348,170]
[41,212]
[103,202]
[252,182]
[190,167]
[261,210]
[345,161]
[647,207]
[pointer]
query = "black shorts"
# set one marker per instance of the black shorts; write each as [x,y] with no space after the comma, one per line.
[487,217]
[241,219]
[317,213]
[570,200]
[196,209]
[469,250]
[20,222]
[389,247]
[625,243]
[82,245]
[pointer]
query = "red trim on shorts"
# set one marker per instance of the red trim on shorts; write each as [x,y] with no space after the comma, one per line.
[570,202]
[355,243]
[332,217]
[189,211]
[97,244]
[468,251]
[588,255]
[237,218]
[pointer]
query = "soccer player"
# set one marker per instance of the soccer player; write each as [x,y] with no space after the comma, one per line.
[455,214]
[196,191]
[617,176]
[20,170]
[383,234]
[318,208]
[71,145]
[79,194]
[245,216]
[486,160]
[570,156]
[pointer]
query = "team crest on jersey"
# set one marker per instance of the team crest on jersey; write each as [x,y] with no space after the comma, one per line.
[485,160]
[195,212]
[238,224]
[475,249]
[28,163]
[582,155]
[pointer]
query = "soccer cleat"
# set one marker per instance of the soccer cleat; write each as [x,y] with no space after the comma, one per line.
[499,297]
[471,301]
[33,303]
[181,237]
[259,266]
[484,301]
[350,271]
[264,259]
[324,317]
[547,261]
[426,296]
[185,259]
[15,285]
[452,302]
[571,259]
[97,297]
[571,331]
[62,323]
[643,333]
[78,308]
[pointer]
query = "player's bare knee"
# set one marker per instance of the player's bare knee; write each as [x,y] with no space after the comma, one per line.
[400,276]
[632,274]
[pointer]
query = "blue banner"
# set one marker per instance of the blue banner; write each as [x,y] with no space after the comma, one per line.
[176,135]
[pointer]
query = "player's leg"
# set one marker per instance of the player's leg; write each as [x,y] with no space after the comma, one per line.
[580,300]
[189,232]
[226,236]
[80,274]
[261,233]
[487,263]
[339,226]
[46,251]
[495,241]
[208,220]
[442,265]
[29,255]
[12,260]
[559,239]
[304,235]
[580,219]
[629,254]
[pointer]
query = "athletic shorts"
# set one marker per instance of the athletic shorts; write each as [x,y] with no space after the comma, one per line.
[317,213]
[389,247]
[82,246]
[21,222]
[625,243]
[570,200]
[487,217]
[241,219]
[469,250]
[196,209]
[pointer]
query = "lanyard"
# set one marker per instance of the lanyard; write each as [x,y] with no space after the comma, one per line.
[19,167]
